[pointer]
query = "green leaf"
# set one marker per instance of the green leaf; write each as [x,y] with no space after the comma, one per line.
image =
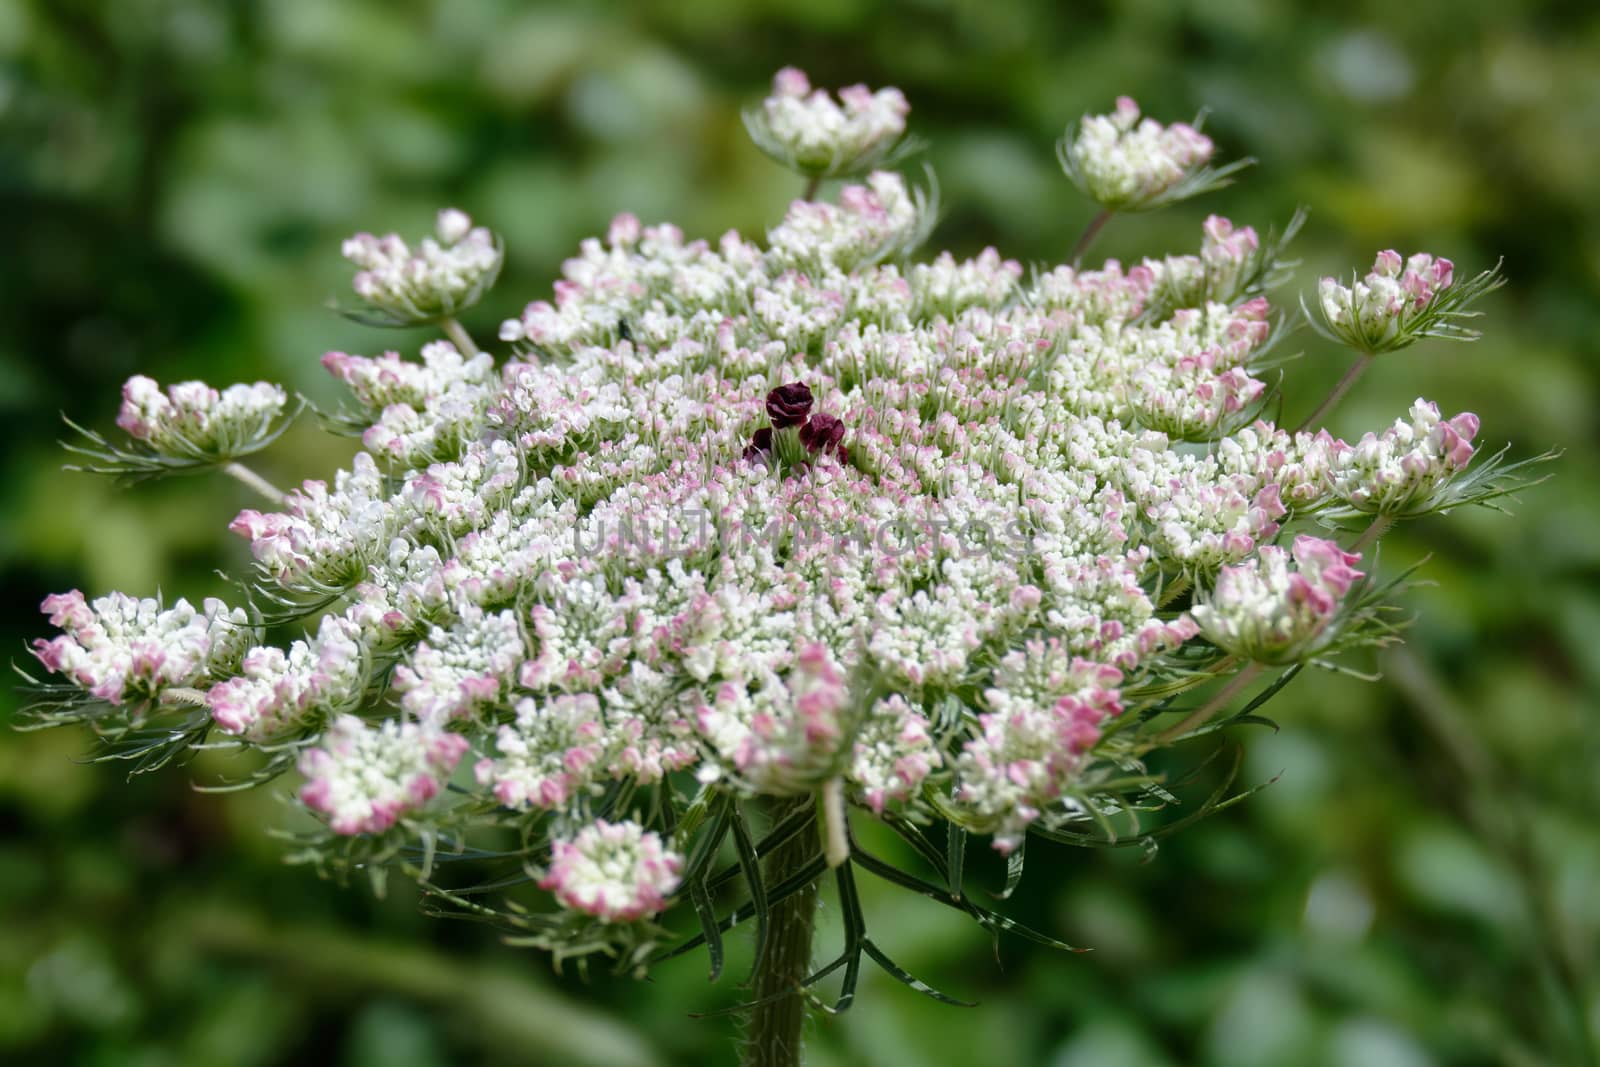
[783,891]
[708,925]
[775,837]
[898,973]
[855,936]
[955,856]
[1014,864]
[750,864]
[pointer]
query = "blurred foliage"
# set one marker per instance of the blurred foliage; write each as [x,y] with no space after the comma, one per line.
[1417,888]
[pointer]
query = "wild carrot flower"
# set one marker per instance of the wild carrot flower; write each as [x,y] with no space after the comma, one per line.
[1127,163]
[795,523]
[1406,469]
[364,778]
[1401,301]
[617,872]
[814,134]
[121,649]
[193,420]
[442,276]
[1274,612]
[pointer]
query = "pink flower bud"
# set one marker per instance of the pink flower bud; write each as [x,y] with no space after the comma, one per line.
[791,81]
[452,225]
[624,230]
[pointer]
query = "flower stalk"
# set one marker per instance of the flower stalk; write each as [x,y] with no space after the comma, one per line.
[244,475]
[459,336]
[774,1036]
[1331,401]
[1090,232]
[1375,529]
[834,823]
[1207,711]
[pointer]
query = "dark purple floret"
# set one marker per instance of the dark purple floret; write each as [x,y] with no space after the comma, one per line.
[788,405]
[822,434]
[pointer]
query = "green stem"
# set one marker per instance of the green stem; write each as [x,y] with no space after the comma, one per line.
[774,1038]
[1200,716]
[459,337]
[1379,526]
[1090,232]
[812,188]
[834,816]
[249,477]
[1357,369]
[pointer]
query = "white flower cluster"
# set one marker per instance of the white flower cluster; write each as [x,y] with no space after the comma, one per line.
[1045,710]
[442,276]
[1402,469]
[815,134]
[1378,313]
[191,420]
[363,778]
[787,518]
[894,753]
[124,649]
[617,872]
[324,539]
[1219,274]
[274,689]
[783,736]
[1266,611]
[1124,163]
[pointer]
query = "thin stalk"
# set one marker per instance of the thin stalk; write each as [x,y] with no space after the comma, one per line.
[835,830]
[812,188]
[1377,528]
[1203,714]
[1090,232]
[1357,369]
[254,481]
[774,1039]
[459,337]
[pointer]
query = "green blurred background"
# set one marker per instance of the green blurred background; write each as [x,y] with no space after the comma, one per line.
[1419,886]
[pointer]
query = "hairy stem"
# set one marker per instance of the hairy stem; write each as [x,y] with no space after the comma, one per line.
[254,481]
[459,337]
[1379,526]
[773,1039]
[1357,369]
[1203,714]
[1090,232]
